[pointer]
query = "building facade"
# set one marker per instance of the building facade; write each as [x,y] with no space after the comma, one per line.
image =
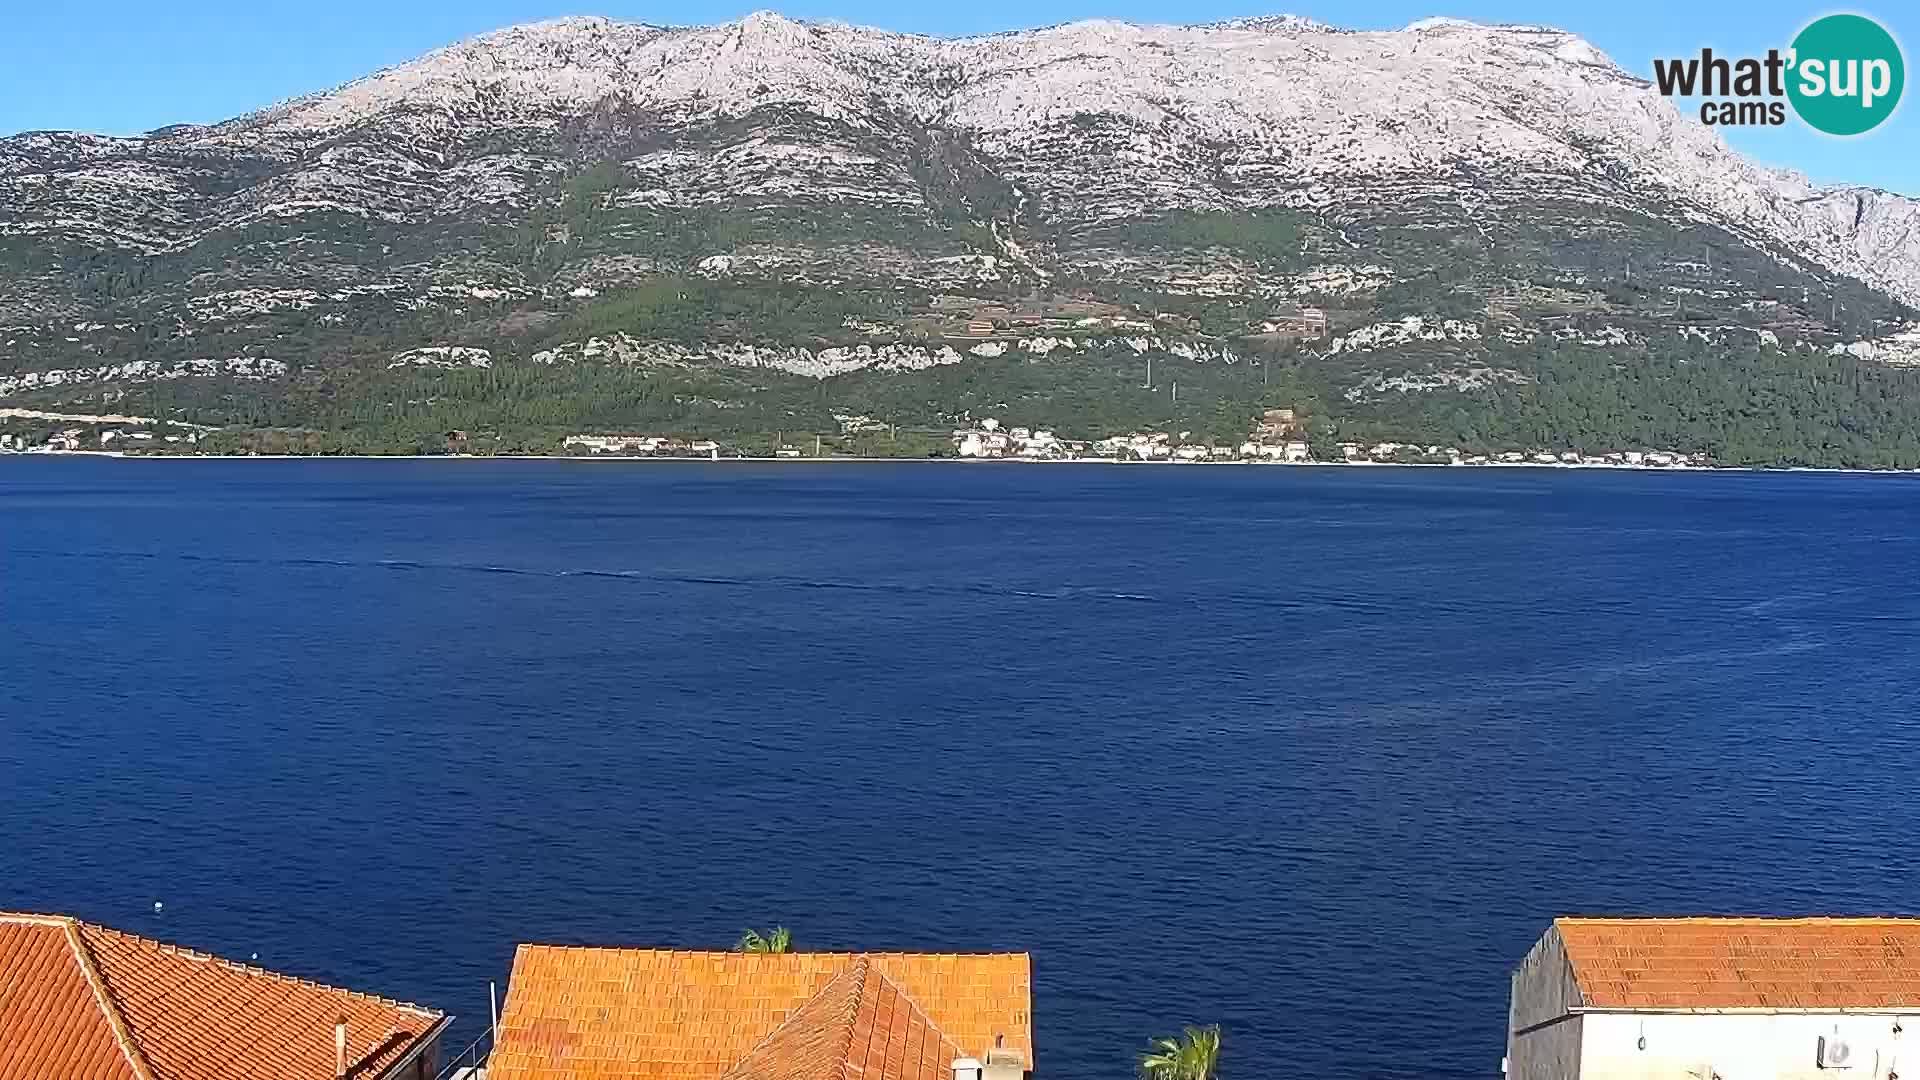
[1717,999]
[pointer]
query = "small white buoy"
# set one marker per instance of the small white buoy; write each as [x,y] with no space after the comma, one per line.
[157,905]
[253,956]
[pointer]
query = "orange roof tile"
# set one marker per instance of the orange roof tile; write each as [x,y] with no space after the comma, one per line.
[85,1002]
[628,1014]
[1744,963]
[52,1020]
[860,1026]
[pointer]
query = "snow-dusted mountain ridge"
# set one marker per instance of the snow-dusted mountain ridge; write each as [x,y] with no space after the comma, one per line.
[1279,111]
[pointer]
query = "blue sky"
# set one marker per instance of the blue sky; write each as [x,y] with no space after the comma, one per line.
[126,66]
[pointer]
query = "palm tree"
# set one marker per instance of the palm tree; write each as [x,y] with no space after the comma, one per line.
[1193,1056]
[779,940]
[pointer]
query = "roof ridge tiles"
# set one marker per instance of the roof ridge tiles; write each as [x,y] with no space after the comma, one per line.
[152,1010]
[252,970]
[109,1006]
[860,971]
[844,1018]
[925,1016]
[31,918]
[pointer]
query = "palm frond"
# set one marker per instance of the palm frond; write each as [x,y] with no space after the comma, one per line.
[777,940]
[1193,1056]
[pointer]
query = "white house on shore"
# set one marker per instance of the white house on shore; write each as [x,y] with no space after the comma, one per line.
[1718,999]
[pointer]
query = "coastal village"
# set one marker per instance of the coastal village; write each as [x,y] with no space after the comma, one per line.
[1278,436]
[1593,999]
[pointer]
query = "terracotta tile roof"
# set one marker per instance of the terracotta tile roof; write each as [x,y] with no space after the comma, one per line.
[860,1026]
[1744,963]
[629,1014]
[84,1002]
[52,1018]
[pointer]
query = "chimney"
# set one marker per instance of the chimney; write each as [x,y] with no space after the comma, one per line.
[966,1069]
[340,1049]
[1002,1063]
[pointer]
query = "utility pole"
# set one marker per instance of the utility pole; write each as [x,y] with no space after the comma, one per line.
[816,446]
[1176,392]
[1149,384]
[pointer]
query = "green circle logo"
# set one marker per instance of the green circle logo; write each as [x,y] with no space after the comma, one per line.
[1847,74]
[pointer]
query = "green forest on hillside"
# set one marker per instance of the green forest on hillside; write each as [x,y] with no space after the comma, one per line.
[1731,354]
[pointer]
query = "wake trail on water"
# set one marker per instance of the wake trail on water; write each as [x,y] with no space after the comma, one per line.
[636,576]
[1298,598]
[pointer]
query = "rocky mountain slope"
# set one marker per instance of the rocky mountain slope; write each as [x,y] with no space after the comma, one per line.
[777,196]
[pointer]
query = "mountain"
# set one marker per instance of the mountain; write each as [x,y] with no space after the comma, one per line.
[759,226]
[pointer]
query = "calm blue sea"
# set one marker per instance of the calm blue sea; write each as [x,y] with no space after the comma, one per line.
[1314,754]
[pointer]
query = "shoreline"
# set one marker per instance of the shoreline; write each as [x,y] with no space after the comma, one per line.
[615,459]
